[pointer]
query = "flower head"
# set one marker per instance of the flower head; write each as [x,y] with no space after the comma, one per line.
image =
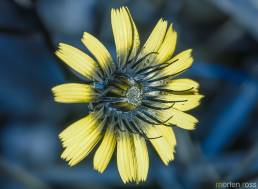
[131,100]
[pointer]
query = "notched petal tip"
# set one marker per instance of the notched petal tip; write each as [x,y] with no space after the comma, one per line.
[100,52]
[53,89]
[190,52]
[105,151]
[61,46]
[100,171]
[85,35]
[122,28]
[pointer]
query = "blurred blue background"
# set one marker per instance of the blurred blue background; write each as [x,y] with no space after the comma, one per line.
[224,37]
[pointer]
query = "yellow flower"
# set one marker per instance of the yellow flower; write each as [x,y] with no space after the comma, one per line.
[131,100]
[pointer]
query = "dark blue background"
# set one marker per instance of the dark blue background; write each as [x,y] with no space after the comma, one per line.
[223,35]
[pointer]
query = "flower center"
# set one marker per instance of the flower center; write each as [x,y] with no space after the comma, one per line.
[122,93]
[134,95]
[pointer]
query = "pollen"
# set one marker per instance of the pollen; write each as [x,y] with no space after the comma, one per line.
[134,95]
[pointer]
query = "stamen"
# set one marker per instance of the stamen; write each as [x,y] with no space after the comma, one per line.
[141,59]
[159,68]
[155,118]
[165,77]
[142,133]
[150,67]
[161,100]
[121,126]
[113,99]
[129,126]
[146,120]
[157,88]
[157,108]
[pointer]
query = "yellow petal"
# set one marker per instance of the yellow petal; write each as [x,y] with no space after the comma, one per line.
[162,146]
[156,38]
[182,85]
[123,33]
[183,120]
[74,93]
[154,42]
[178,118]
[80,138]
[169,134]
[99,51]
[78,61]
[136,38]
[126,161]
[71,130]
[179,63]
[192,101]
[105,151]
[183,102]
[168,46]
[142,158]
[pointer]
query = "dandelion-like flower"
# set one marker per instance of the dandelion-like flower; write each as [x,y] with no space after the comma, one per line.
[131,100]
